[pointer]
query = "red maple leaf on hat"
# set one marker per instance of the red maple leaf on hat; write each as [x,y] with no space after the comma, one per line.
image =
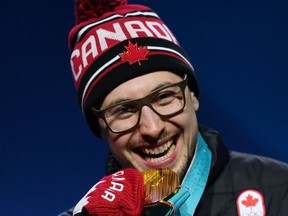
[250,201]
[134,53]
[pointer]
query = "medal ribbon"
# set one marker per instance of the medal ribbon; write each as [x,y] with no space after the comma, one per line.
[185,201]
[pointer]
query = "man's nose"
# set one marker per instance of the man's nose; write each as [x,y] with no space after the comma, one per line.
[150,124]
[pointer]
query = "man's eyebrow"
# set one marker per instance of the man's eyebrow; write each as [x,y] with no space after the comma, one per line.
[123,100]
[115,102]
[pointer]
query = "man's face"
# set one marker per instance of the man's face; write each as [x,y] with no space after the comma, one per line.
[156,142]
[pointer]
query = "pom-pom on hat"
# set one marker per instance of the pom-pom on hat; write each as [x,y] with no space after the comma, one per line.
[114,41]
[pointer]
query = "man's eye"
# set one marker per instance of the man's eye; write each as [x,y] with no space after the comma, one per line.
[120,110]
[164,97]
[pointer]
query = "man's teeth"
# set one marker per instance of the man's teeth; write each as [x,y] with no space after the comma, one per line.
[159,150]
[156,154]
[154,160]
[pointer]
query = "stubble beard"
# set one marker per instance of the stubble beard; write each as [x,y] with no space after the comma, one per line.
[186,163]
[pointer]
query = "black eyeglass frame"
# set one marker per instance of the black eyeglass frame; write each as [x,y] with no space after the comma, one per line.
[144,101]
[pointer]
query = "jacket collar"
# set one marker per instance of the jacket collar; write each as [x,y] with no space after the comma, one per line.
[220,153]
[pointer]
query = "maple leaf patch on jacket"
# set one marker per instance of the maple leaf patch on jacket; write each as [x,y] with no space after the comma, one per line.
[250,202]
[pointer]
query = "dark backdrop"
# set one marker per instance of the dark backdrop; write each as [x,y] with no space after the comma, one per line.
[48,156]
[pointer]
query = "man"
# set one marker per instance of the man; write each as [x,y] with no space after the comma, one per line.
[138,91]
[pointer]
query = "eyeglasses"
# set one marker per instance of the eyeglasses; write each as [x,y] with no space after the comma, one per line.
[125,116]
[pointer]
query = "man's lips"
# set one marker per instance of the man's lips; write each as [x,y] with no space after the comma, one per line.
[159,153]
[159,158]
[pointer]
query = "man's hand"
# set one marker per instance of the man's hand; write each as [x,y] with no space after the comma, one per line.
[119,194]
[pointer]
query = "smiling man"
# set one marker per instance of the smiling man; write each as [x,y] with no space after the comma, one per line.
[138,91]
[161,133]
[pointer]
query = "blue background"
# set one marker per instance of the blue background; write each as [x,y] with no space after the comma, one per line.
[48,156]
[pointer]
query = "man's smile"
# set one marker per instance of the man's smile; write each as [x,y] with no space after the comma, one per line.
[157,154]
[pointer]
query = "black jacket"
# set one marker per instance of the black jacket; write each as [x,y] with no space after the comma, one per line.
[233,173]
[239,183]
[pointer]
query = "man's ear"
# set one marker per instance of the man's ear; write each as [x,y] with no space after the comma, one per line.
[195,102]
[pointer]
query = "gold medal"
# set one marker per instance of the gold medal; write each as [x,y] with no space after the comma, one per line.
[160,184]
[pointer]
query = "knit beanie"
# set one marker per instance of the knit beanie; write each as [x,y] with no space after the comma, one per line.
[114,41]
